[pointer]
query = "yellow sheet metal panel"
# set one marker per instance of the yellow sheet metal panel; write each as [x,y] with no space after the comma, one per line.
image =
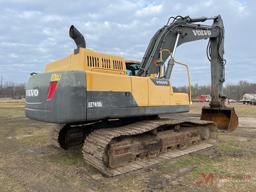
[140,90]
[181,98]
[77,62]
[106,63]
[74,62]
[158,95]
[172,99]
[89,60]
[59,65]
[105,72]
[97,81]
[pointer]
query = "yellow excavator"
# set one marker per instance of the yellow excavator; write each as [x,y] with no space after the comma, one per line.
[114,106]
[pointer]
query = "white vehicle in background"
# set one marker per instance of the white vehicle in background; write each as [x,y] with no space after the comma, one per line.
[231,101]
[249,99]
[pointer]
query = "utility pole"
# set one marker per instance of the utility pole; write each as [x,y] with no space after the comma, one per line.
[1,86]
[1,81]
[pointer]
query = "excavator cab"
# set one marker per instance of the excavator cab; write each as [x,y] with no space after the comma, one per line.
[132,67]
[224,117]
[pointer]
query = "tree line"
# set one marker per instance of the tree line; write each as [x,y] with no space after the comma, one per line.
[12,90]
[232,91]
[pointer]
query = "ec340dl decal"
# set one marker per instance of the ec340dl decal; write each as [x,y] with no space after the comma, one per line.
[94,104]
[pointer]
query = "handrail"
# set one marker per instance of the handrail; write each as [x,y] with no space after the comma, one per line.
[189,82]
[179,63]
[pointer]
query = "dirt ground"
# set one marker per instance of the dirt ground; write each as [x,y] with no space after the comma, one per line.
[29,163]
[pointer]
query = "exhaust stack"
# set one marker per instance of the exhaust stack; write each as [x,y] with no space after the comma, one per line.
[77,37]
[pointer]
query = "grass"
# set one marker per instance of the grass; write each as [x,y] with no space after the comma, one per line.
[35,139]
[241,110]
[245,110]
[68,159]
[6,112]
[235,158]
[201,163]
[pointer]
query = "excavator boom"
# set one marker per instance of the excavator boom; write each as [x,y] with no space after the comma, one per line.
[182,30]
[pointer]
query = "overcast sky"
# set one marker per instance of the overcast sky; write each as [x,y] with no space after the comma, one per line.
[34,33]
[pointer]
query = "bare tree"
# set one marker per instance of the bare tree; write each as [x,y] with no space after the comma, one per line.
[232,91]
